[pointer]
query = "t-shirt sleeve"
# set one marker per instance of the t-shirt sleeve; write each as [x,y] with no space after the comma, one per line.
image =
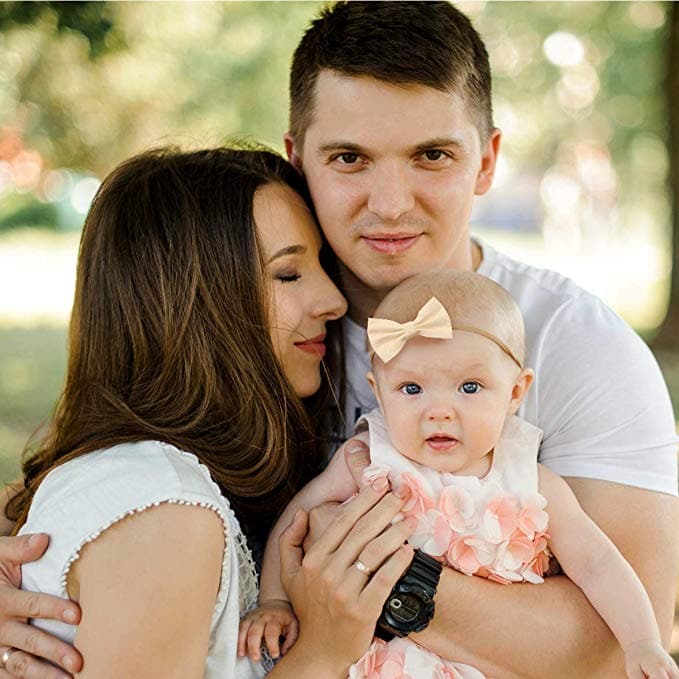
[601,400]
[80,500]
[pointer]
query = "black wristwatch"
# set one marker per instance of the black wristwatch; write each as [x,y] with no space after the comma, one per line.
[410,606]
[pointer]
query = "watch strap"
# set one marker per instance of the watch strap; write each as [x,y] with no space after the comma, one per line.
[423,573]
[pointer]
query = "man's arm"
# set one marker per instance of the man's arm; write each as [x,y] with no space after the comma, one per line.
[551,629]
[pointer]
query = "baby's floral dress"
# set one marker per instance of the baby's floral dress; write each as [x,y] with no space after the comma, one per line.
[494,527]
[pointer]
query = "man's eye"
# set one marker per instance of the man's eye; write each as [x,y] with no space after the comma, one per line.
[470,388]
[434,154]
[348,158]
[411,389]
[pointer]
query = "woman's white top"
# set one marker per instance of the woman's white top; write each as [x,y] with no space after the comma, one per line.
[79,500]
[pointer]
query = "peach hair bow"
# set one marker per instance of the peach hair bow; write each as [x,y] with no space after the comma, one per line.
[387,337]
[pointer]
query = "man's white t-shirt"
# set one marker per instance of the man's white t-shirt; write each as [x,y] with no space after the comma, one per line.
[598,394]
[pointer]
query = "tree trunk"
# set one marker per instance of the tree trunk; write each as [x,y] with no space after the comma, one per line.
[668,336]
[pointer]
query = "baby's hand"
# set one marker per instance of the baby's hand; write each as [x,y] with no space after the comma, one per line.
[649,659]
[271,620]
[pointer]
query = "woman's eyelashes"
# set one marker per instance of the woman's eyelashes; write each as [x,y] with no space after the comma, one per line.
[288,276]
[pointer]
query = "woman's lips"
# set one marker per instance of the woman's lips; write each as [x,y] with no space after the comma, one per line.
[392,244]
[441,442]
[315,345]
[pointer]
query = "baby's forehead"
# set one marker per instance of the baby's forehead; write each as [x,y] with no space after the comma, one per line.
[426,356]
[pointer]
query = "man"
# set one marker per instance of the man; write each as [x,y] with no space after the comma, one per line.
[391,124]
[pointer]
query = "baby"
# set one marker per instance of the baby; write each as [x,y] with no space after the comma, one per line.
[447,353]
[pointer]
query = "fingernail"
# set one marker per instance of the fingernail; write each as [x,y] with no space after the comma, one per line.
[68,663]
[380,485]
[32,540]
[69,616]
[410,522]
[355,447]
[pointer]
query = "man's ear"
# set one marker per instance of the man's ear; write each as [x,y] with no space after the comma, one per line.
[521,387]
[489,154]
[294,157]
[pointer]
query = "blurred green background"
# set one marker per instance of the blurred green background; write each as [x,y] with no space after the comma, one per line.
[580,92]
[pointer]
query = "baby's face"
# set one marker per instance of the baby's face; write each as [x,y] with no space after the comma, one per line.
[445,401]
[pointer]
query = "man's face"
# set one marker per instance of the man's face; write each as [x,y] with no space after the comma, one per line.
[393,171]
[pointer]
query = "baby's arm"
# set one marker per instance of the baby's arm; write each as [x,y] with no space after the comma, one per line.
[274,617]
[593,563]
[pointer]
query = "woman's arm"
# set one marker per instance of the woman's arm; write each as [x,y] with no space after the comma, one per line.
[147,588]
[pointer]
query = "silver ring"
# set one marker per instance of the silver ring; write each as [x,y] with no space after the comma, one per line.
[362,567]
[5,657]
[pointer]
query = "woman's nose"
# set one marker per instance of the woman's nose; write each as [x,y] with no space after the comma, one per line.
[330,302]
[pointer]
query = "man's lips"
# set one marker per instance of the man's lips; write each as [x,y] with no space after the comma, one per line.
[441,442]
[315,345]
[391,243]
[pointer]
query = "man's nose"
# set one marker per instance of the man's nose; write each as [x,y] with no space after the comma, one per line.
[391,194]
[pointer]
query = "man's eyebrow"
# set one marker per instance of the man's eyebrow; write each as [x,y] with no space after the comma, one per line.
[288,250]
[346,146]
[439,142]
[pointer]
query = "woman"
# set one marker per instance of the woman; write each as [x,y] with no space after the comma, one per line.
[198,325]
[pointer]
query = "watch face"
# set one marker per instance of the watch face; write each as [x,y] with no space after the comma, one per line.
[405,607]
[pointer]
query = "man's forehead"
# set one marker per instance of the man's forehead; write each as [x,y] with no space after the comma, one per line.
[362,110]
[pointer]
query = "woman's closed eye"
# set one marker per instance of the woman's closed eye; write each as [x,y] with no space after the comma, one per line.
[288,276]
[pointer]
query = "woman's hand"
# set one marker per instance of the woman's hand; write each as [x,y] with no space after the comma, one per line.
[337,603]
[27,646]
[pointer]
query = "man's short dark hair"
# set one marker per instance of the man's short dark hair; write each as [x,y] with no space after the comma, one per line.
[424,43]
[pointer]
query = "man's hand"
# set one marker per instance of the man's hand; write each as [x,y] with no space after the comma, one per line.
[32,652]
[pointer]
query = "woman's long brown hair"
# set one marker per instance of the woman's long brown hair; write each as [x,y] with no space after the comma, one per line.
[169,332]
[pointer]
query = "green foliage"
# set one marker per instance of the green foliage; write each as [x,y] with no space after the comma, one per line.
[23,210]
[93,20]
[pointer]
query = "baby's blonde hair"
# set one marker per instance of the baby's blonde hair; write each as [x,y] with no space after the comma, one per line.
[468,297]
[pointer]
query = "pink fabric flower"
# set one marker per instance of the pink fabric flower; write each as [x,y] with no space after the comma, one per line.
[394,665]
[433,534]
[539,563]
[533,518]
[515,552]
[368,667]
[457,505]
[468,554]
[501,518]
[420,500]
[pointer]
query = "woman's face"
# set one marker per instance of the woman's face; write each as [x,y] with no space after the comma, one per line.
[303,297]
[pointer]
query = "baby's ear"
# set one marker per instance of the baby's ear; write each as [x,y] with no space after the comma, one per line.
[370,376]
[520,389]
[371,381]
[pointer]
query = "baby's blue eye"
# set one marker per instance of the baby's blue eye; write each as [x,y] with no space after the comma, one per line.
[411,389]
[470,388]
